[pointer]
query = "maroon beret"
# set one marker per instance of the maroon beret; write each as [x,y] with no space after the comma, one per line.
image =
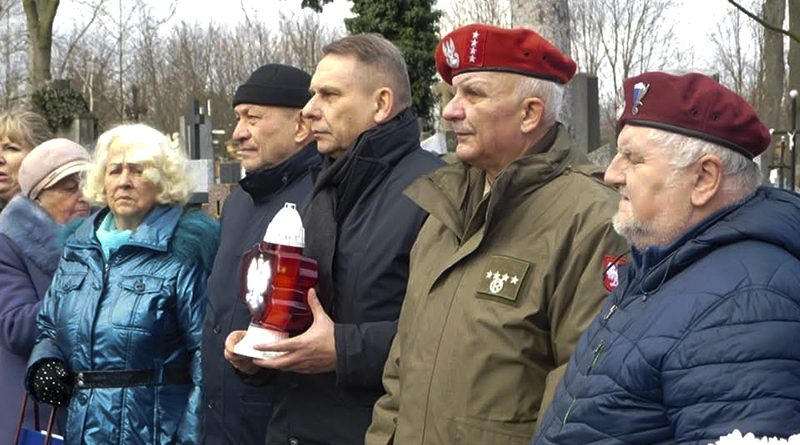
[481,47]
[694,105]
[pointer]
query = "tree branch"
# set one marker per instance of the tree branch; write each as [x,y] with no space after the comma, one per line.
[71,47]
[763,23]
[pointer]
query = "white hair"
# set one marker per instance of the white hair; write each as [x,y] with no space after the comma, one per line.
[165,165]
[742,175]
[551,93]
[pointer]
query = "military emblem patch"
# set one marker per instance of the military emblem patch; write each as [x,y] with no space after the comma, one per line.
[450,53]
[639,91]
[502,278]
[611,271]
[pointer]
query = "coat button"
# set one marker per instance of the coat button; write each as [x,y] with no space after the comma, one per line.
[217,329]
[82,398]
[293,441]
[210,404]
[138,286]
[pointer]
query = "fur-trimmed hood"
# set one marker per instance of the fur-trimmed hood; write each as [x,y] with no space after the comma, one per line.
[33,231]
[196,239]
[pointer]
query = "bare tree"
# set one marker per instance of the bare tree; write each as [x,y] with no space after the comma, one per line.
[12,66]
[460,13]
[302,39]
[791,33]
[772,74]
[794,46]
[737,44]
[39,15]
[586,27]
[96,8]
[616,39]
[132,63]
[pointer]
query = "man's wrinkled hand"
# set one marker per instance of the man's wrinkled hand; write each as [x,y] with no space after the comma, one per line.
[240,362]
[312,352]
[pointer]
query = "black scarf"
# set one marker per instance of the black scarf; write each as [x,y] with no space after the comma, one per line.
[338,187]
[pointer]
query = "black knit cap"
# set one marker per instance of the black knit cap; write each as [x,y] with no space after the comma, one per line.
[277,85]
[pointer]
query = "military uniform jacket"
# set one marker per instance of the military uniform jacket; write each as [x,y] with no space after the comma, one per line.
[501,287]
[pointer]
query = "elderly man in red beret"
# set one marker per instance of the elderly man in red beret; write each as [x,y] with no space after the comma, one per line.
[514,260]
[700,338]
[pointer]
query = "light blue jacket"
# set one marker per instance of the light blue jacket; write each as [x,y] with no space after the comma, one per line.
[142,310]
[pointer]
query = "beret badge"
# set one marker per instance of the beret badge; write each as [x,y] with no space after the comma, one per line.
[639,91]
[450,53]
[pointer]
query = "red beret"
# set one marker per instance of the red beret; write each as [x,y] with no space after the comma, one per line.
[694,105]
[480,47]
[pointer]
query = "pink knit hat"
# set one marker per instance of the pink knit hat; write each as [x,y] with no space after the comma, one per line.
[50,162]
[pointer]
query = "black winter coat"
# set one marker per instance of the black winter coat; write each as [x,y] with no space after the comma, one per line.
[370,233]
[236,413]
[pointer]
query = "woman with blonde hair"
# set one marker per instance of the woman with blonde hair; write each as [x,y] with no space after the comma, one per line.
[121,323]
[20,131]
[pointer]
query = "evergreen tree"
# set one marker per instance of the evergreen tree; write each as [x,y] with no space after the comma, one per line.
[412,25]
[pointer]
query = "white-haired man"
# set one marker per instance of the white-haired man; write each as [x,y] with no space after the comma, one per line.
[509,268]
[700,337]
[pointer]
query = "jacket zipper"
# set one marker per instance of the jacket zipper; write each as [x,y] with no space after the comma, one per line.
[595,356]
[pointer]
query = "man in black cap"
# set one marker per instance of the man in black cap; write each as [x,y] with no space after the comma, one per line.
[277,152]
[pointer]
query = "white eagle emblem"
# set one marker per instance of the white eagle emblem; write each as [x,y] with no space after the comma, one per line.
[450,53]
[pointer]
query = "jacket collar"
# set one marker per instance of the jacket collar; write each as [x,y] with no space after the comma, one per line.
[452,193]
[769,216]
[373,155]
[264,183]
[33,231]
[154,232]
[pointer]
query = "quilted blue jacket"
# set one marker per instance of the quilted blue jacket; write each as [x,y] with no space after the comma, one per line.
[698,340]
[141,310]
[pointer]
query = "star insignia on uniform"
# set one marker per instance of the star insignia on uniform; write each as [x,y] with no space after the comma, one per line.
[514,279]
[489,274]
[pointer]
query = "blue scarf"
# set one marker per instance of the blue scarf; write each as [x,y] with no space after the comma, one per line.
[110,237]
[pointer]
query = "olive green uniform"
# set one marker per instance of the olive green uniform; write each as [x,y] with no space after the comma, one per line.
[502,285]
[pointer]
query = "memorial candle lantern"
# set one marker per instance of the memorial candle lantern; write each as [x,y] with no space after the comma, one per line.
[275,281]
